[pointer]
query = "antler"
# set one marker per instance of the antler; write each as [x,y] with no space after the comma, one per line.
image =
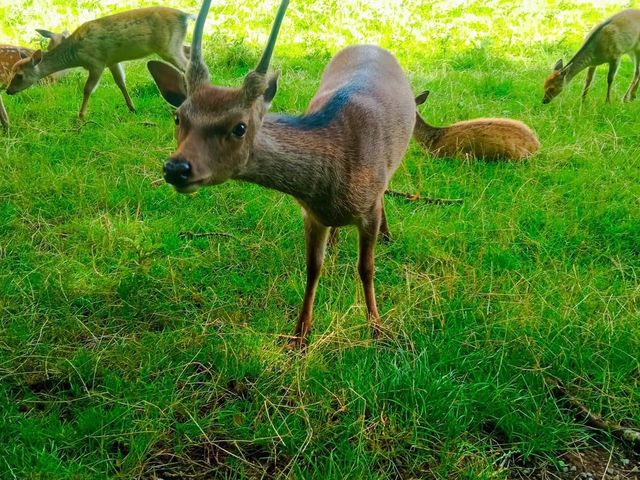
[263,65]
[197,72]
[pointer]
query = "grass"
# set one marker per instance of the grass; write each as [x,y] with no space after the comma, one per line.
[129,350]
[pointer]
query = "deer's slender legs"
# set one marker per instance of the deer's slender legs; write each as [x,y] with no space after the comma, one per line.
[587,84]
[613,69]
[633,87]
[385,234]
[368,231]
[118,75]
[89,87]
[4,118]
[178,56]
[333,236]
[316,236]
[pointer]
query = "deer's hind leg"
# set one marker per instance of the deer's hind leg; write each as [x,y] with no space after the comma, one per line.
[368,232]
[4,118]
[118,75]
[176,53]
[633,87]
[385,234]
[316,236]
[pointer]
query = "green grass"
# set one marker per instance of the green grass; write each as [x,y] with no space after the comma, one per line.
[128,350]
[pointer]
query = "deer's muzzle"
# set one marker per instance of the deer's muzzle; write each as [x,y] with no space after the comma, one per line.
[177,172]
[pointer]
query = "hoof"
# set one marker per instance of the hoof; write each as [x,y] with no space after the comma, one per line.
[385,238]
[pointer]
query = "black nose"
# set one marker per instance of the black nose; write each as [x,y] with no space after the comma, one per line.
[177,171]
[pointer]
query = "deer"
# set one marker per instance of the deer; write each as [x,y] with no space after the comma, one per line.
[10,54]
[335,160]
[606,43]
[485,138]
[105,43]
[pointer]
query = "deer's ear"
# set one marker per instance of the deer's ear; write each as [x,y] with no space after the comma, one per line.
[170,82]
[45,33]
[558,66]
[272,88]
[421,98]
[36,58]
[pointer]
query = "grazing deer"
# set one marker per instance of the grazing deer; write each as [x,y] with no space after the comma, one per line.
[488,138]
[606,43]
[104,43]
[336,159]
[10,54]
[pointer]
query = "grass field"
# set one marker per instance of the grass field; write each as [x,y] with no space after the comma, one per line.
[132,349]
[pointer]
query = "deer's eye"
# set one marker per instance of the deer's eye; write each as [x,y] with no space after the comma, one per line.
[176,119]
[239,130]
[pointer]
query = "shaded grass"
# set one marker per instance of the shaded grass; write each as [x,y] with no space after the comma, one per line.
[130,350]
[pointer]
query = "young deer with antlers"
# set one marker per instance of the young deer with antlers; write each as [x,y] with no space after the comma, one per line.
[336,160]
[104,43]
[606,43]
[10,54]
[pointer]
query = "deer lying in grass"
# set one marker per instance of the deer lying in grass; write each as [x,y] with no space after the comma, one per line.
[606,43]
[104,43]
[488,138]
[336,160]
[10,54]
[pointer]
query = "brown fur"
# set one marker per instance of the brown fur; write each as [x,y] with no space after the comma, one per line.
[606,43]
[10,55]
[487,138]
[104,43]
[337,170]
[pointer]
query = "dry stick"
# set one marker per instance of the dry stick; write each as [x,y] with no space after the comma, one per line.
[192,235]
[416,196]
[591,419]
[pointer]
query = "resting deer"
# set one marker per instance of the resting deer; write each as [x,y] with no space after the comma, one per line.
[488,138]
[606,43]
[104,43]
[335,160]
[10,54]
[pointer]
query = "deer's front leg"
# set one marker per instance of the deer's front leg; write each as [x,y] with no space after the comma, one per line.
[368,231]
[118,75]
[316,236]
[89,87]
[4,118]
[613,69]
[587,83]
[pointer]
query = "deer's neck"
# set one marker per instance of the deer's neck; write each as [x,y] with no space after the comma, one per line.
[297,161]
[60,58]
[426,135]
[582,60]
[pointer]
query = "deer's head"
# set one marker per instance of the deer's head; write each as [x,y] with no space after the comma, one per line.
[215,126]
[25,73]
[554,84]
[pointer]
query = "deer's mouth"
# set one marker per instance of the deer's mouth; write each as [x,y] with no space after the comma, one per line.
[188,188]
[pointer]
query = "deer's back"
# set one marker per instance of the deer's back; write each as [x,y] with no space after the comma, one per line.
[615,36]
[490,138]
[128,35]
[9,55]
[366,98]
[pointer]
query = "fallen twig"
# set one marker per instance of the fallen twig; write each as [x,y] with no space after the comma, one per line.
[591,419]
[82,125]
[413,197]
[192,235]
